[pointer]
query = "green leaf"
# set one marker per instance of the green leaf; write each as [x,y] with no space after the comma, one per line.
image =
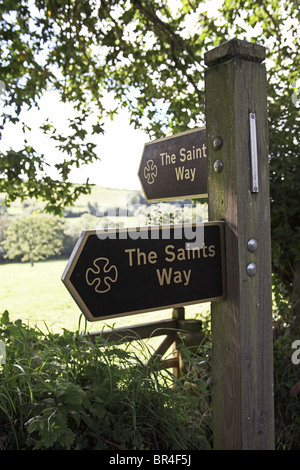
[201,385]
[72,395]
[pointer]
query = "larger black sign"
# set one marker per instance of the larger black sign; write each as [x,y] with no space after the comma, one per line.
[127,271]
[175,167]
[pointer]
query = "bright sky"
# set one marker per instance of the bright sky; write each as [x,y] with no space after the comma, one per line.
[120,148]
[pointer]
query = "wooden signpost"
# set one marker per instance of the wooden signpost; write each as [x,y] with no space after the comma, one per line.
[175,167]
[228,160]
[238,193]
[122,272]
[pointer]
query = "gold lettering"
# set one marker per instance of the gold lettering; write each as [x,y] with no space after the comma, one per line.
[194,253]
[177,277]
[182,154]
[152,257]
[164,275]
[140,257]
[172,254]
[212,251]
[130,251]
[181,254]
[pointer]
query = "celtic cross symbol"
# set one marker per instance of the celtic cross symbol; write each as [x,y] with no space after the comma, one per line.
[102,276]
[150,171]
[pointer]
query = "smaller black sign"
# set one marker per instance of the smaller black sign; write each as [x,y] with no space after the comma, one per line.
[121,272]
[175,167]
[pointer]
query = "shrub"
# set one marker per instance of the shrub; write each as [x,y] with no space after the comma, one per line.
[33,237]
[287,393]
[65,392]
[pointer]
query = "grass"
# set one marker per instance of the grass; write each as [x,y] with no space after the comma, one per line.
[37,295]
[105,197]
[64,392]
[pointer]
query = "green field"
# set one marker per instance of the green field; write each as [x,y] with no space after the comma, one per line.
[105,197]
[37,295]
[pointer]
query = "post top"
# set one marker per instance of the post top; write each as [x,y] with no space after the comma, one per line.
[235,48]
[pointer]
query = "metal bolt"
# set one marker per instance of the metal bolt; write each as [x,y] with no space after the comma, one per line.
[252,245]
[217,143]
[251,269]
[218,166]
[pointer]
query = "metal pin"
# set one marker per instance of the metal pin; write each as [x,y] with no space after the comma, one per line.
[252,245]
[217,143]
[218,166]
[251,269]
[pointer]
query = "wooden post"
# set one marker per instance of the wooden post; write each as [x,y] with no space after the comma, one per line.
[238,191]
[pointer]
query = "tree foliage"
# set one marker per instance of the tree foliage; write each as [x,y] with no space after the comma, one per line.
[34,237]
[149,55]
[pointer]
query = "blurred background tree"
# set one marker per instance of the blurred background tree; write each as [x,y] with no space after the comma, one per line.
[33,237]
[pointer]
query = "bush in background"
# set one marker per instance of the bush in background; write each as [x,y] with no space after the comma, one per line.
[33,237]
[287,392]
[64,392]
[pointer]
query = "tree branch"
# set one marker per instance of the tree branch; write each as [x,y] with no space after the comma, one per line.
[173,37]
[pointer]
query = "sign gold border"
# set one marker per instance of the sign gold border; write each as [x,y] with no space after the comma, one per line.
[81,243]
[174,198]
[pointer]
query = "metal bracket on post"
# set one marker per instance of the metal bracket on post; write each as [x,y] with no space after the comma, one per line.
[253,154]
